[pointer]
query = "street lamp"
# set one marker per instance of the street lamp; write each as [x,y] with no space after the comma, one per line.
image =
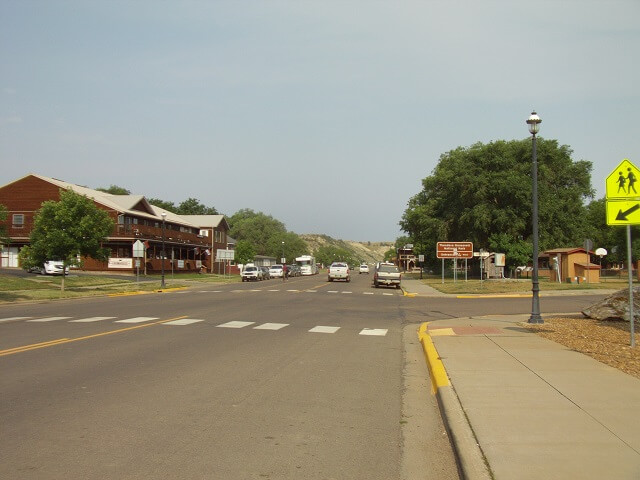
[164,217]
[534,126]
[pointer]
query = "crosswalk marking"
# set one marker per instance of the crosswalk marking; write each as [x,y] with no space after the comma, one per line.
[271,326]
[183,321]
[8,319]
[235,324]
[137,320]
[321,329]
[380,332]
[48,319]
[91,319]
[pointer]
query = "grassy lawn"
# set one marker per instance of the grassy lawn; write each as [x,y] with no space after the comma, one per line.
[41,287]
[512,286]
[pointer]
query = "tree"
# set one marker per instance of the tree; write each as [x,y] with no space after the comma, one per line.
[256,228]
[327,254]
[114,190]
[479,192]
[244,252]
[293,246]
[66,230]
[192,206]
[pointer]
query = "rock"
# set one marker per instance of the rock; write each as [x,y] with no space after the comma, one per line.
[615,307]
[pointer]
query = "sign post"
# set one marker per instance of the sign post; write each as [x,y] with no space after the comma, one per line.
[623,208]
[454,250]
[138,253]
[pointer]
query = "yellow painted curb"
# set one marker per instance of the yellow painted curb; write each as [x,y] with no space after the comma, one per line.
[437,372]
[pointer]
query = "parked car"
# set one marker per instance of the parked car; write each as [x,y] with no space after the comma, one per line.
[265,273]
[50,267]
[276,271]
[339,271]
[252,273]
[293,270]
[364,268]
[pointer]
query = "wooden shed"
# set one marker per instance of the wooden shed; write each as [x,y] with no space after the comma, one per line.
[572,265]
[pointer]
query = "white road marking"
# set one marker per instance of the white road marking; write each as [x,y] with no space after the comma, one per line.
[48,319]
[235,324]
[183,321]
[273,290]
[321,329]
[8,319]
[332,291]
[388,294]
[380,332]
[367,293]
[136,320]
[311,291]
[91,319]
[293,290]
[347,292]
[271,326]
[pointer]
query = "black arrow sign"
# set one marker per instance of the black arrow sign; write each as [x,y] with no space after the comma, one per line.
[623,215]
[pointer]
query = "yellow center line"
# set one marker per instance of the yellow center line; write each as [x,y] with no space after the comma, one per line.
[60,341]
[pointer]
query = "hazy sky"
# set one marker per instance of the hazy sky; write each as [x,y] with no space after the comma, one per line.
[324,114]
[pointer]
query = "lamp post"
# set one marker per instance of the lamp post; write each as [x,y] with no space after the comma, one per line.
[164,217]
[534,126]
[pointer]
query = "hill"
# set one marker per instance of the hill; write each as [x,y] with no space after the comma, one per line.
[364,251]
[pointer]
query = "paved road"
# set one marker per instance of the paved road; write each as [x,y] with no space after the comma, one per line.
[302,379]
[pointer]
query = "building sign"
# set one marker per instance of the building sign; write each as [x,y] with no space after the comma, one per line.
[222,254]
[454,250]
[120,263]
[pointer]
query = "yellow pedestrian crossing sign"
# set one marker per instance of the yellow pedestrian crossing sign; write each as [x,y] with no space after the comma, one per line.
[623,183]
[623,212]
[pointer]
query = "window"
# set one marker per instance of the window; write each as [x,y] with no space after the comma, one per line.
[18,220]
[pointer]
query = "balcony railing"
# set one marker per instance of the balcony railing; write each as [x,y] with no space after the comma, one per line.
[155,233]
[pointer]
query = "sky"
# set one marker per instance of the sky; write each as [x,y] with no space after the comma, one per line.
[325,114]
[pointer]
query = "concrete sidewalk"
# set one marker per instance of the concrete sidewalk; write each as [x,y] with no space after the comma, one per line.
[529,408]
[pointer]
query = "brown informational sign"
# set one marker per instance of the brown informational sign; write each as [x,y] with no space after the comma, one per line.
[454,250]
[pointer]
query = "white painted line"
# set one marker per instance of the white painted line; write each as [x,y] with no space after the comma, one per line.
[380,332]
[48,319]
[273,290]
[367,293]
[321,329]
[8,319]
[235,324]
[271,326]
[209,291]
[136,320]
[388,294]
[311,291]
[255,290]
[293,290]
[347,292]
[183,321]
[91,319]
[332,291]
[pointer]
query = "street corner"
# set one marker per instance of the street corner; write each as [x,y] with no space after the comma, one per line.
[437,372]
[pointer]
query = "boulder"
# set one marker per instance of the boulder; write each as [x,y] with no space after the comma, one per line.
[615,307]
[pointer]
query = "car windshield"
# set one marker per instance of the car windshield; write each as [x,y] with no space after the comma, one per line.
[251,269]
[276,267]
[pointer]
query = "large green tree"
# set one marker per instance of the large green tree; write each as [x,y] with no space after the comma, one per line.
[67,230]
[192,206]
[257,228]
[483,194]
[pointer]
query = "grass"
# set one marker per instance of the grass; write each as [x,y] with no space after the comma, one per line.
[39,287]
[506,286]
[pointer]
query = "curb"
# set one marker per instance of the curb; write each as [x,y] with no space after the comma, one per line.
[472,463]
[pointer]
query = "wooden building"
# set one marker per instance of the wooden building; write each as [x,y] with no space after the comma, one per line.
[573,265]
[190,241]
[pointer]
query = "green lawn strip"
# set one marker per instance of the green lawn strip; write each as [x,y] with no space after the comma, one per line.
[508,286]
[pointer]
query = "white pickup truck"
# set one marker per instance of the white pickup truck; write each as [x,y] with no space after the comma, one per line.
[387,274]
[339,271]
